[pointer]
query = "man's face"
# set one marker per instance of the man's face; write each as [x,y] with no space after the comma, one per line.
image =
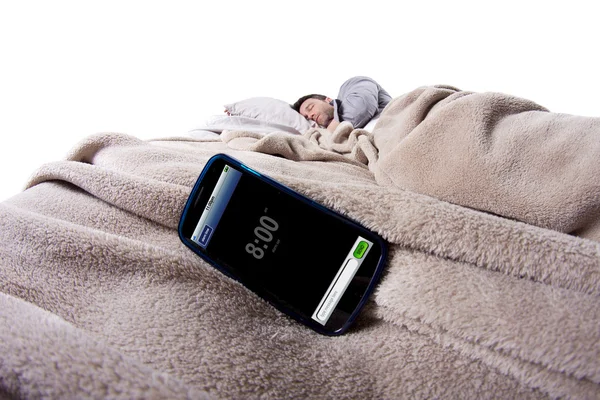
[317,110]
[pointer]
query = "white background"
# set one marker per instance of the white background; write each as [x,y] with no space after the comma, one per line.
[69,69]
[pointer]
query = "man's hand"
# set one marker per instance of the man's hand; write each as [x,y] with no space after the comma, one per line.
[332,125]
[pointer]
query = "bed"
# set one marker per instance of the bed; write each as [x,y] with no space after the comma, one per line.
[490,204]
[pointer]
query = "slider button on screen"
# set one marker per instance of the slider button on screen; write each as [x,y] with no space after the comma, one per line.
[338,289]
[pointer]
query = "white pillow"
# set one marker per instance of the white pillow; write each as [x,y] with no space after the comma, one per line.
[270,110]
[220,123]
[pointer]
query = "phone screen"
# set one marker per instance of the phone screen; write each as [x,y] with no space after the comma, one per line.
[310,262]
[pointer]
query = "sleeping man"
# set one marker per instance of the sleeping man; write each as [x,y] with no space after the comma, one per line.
[359,101]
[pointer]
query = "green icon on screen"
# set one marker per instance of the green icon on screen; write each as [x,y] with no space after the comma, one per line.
[226,168]
[360,249]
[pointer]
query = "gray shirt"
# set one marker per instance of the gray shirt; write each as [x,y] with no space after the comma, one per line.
[360,99]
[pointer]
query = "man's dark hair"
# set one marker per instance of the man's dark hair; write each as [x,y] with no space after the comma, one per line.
[297,104]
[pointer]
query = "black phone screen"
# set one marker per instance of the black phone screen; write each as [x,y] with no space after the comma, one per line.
[307,260]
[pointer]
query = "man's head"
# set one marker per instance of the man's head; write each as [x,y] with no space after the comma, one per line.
[315,107]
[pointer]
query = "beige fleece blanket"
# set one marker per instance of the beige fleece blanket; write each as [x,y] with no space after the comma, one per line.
[488,297]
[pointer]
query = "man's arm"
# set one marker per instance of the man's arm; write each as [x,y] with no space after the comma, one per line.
[360,100]
[332,125]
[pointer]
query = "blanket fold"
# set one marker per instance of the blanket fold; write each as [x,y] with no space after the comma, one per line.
[65,362]
[495,153]
[484,294]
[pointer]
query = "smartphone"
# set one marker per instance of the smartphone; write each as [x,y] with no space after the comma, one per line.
[314,264]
